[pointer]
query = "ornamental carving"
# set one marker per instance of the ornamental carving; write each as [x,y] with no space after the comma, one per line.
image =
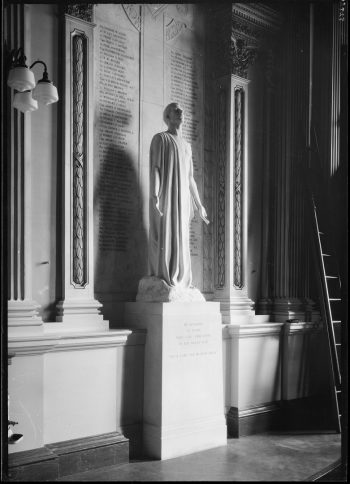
[173,29]
[237,43]
[79,160]
[81,10]
[221,191]
[133,12]
[242,55]
[238,196]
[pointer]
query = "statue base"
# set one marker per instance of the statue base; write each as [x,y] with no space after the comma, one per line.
[183,405]
[153,289]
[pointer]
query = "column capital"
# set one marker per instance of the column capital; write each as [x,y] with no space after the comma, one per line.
[240,32]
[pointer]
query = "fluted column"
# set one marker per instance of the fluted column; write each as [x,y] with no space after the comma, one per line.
[291,258]
[78,308]
[23,316]
[264,302]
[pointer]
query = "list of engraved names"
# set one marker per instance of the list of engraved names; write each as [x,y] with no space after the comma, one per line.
[118,104]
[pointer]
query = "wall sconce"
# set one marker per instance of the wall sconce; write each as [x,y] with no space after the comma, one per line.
[22,79]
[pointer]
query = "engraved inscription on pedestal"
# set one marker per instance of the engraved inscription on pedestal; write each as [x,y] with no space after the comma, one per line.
[193,339]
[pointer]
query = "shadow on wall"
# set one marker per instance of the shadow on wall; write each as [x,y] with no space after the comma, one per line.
[120,234]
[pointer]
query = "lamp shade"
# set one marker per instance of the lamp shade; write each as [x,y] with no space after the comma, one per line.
[45,92]
[21,78]
[24,102]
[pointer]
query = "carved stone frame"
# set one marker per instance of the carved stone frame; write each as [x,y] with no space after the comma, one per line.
[78,306]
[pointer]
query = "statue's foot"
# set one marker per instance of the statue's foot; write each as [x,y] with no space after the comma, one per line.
[154,289]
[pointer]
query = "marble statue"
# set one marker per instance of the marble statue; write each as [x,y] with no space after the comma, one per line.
[173,198]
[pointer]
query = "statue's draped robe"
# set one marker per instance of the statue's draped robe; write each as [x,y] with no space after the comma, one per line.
[169,241]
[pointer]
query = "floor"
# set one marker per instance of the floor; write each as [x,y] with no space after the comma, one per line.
[263,457]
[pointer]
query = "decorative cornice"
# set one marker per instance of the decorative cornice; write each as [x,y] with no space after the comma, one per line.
[29,346]
[252,330]
[54,342]
[83,11]
[239,331]
[258,14]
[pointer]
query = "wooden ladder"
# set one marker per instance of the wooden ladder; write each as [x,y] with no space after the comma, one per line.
[330,302]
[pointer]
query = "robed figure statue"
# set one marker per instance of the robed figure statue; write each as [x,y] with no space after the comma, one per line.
[173,198]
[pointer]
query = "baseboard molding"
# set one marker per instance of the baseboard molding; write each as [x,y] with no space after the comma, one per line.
[69,457]
[253,420]
[33,465]
[303,414]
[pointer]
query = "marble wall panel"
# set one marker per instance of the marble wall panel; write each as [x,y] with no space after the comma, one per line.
[120,236]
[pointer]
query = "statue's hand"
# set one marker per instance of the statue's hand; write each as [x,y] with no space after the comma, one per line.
[156,204]
[203,214]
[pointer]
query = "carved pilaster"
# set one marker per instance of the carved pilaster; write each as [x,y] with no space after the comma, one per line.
[238,188]
[241,33]
[221,189]
[78,308]
[23,315]
[231,199]
[79,221]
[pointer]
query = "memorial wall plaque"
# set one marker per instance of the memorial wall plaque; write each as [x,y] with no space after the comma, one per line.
[117,193]
[184,84]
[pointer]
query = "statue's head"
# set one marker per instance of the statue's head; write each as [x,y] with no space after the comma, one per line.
[173,114]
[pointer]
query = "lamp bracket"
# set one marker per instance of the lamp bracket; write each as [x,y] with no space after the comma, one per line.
[18,59]
[45,75]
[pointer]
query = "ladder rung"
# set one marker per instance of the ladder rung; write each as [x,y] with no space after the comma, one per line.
[338,391]
[337,344]
[336,321]
[331,277]
[335,299]
[326,255]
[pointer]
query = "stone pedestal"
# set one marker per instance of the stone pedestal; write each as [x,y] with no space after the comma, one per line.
[183,392]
